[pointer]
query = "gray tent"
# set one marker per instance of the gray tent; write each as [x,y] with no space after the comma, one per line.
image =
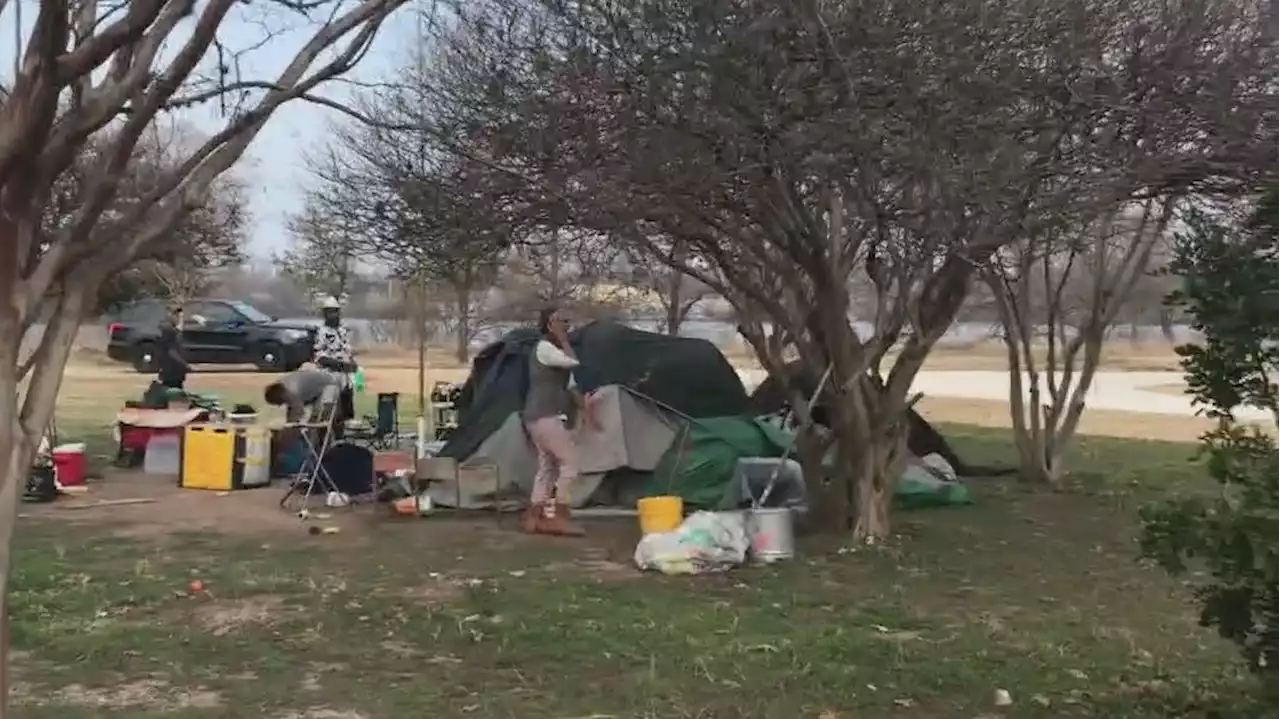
[634,435]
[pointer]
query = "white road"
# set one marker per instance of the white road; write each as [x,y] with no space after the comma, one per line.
[1110,390]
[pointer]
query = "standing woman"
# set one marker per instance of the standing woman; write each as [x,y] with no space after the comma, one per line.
[333,354]
[551,397]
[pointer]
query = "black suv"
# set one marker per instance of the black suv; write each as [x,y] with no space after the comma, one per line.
[213,332]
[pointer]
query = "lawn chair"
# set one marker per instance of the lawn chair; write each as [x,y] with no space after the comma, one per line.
[383,430]
[317,434]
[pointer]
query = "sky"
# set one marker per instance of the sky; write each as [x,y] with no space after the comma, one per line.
[273,167]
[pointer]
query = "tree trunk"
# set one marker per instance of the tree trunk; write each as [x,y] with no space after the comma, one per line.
[874,498]
[672,322]
[1039,460]
[462,335]
[11,442]
[872,452]
[881,462]
[22,426]
[826,494]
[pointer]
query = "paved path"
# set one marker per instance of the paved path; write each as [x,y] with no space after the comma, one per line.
[1111,390]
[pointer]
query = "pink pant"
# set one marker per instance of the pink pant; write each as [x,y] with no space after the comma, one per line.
[557,460]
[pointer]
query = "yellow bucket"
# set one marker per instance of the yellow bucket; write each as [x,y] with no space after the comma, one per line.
[660,514]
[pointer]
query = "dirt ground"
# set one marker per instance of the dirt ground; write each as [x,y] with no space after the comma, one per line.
[157,509]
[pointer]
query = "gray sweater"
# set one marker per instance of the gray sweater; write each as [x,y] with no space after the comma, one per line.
[550,371]
[305,388]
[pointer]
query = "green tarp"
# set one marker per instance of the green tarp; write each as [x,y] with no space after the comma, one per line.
[917,488]
[700,465]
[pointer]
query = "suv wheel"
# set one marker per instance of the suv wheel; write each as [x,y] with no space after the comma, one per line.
[146,361]
[270,358]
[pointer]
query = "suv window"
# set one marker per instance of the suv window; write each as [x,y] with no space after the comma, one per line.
[144,312]
[213,313]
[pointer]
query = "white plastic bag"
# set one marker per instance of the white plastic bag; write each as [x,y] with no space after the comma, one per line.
[705,542]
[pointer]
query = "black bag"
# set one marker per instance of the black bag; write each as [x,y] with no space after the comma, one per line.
[41,484]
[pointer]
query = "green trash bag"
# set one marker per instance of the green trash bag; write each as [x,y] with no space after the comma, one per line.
[918,488]
[357,380]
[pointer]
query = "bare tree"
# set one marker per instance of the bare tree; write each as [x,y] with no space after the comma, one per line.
[565,267]
[1063,290]
[414,182]
[206,238]
[95,75]
[789,148]
[324,259]
[676,292]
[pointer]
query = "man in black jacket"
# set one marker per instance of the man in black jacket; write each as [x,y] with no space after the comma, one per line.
[173,367]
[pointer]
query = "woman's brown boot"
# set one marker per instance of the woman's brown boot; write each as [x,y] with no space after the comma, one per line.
[561,524]
[532,520]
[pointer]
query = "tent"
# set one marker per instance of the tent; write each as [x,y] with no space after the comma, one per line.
[688,375]
[674,419]
[650,389]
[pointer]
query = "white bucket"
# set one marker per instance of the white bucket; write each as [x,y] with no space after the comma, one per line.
[771,533]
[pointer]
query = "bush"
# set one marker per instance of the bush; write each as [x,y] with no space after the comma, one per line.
[1229,288]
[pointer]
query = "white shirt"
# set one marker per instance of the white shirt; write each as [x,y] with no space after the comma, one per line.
[551,356]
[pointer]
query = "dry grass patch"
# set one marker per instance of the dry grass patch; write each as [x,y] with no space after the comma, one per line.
[149,694]
[324,713]
[1094,422]
[223,617]
[1174,390]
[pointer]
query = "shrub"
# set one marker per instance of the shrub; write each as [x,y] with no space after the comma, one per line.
[1229,278]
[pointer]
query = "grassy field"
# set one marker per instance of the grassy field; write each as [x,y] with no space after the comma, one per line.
[465,617]
[1037,593]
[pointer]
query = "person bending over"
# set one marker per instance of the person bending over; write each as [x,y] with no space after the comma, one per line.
[308,396]
[551,397]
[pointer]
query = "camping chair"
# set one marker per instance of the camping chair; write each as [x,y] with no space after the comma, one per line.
[317,435]
[384,427]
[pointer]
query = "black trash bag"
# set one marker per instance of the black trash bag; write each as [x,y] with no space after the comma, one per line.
[42,485]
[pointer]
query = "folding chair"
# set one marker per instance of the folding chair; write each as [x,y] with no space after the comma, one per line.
[317,436]
[384,427]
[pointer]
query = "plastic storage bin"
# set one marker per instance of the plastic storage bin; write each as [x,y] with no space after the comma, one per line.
[225,457]
[751,476]
[163,455]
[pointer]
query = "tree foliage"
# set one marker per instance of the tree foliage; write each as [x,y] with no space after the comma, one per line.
[207,236]
[324,258]
[1229,288]
[93,82]
[776,151]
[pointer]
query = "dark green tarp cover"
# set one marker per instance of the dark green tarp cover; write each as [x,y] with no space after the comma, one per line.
[699,469]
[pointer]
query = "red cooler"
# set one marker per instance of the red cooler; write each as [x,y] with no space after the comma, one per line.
[71,465]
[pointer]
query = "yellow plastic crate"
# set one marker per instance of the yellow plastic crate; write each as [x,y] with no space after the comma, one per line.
[225,457]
